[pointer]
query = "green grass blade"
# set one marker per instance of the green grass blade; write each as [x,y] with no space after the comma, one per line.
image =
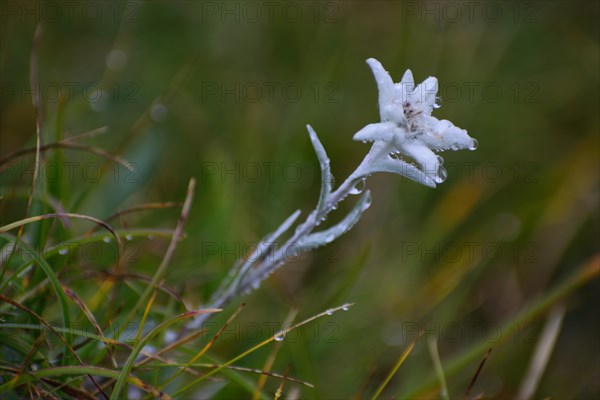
[56,286]
[124,374]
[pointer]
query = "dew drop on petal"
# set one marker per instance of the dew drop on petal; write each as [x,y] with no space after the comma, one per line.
[366,205]
[279,337]
[345,307]
[442,174]
[329,312]
[474,145]
[359,187]
[330,238]
[437,103]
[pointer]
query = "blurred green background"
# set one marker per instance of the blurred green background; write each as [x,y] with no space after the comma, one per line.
[222,91]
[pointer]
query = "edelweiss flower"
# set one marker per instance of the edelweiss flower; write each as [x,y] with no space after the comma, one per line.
[407,129]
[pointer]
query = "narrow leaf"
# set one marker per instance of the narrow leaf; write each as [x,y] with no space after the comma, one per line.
[326,176]
[239,271]
[318,239]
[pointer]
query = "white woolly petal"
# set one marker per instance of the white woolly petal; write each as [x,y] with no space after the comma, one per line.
[394,113]
[405,86]
[427,159]
[397,166]
[458,138]
[408,81]
[383,131]
[385,84]
[444,135]
[425,93]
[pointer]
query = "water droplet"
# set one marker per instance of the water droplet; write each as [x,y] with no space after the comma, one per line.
[334,207]
[63,252]
[437,103]
[330,238]
[442,174]
[279,337]
[394,156]
[129,236]
[364,141]
[345,307]
[474,145]
[359,187]
[329,312]
[366,205]
[106,239]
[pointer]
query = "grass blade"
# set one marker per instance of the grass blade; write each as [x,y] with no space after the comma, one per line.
[393,371]
[542,353]
[56,286]
[125,371]
[177,234]
[479,368]
[37,218]
[588,271]
[276,337]
[435,357]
